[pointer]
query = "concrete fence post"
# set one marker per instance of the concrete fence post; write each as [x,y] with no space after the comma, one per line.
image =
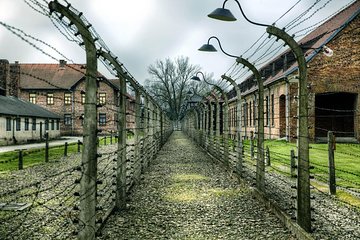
[331,149]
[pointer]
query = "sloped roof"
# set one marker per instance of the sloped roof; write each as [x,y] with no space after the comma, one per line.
[314,40]
[17,107]
[116,84]
[51,76]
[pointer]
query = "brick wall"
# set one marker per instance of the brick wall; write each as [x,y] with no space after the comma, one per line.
[76,109]
[4,75]
[339,73]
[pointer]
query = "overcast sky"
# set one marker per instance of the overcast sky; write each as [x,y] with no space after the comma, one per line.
[141,31]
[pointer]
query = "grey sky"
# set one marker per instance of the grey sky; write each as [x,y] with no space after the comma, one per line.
[140,32]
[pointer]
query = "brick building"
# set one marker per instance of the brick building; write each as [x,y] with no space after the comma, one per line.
[20,120]
[60,88]
[334,84]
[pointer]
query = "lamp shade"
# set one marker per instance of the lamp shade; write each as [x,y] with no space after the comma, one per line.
[222,14]
[196,78]
[207,48]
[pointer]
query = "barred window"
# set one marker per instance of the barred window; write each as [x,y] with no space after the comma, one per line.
[67,119]
[102,119]
[102,98]
[32,98]
[50,99]
[67,98]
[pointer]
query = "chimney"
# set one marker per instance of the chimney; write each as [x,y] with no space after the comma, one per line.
[14,81]
[4,76]
[62,64]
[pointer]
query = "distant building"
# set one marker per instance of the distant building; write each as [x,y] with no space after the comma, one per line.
[60,88]
[20,120]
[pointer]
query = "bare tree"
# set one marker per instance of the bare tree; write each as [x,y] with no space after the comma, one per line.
[170,81]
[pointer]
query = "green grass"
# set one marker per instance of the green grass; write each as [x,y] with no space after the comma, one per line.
[9,161]
[347,161]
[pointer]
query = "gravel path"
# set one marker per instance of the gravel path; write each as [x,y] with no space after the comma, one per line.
[185,195]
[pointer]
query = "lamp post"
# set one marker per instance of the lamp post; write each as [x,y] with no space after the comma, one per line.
[260,166]
[303,182]
[225,115]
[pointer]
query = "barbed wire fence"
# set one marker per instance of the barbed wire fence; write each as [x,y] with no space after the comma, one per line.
[47,204]
[335,215]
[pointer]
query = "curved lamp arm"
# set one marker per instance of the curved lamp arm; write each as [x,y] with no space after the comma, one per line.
[210,48]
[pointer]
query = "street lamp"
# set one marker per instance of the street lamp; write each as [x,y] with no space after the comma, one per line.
[260,166]
[303,182]
[225,114]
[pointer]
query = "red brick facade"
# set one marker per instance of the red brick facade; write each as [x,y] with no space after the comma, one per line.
[62,90]
[334,85]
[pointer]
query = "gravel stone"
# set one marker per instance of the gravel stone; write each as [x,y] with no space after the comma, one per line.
[186,195]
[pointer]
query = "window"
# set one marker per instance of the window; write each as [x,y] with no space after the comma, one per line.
[254,113]
[57,124]
[26,124]
[18,124]
[67,98]
[102,119]
[82,98]
[32,98]
[267,111]
[52,124]
[50,99]
[47,124]
[8,124]
[67,119]
[102,98]
[34,124]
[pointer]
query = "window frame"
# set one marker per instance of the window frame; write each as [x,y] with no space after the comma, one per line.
[102,98]
[27,123]
[8,124]
[102,116]
[33,124]
[82,98]
[67,119]
[50,98]
[32,98]
[46,124]
[67,98]
[18,124]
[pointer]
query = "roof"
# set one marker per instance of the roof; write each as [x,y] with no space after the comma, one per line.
[51,76]
[17,107]
[116,84]
[314,40]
